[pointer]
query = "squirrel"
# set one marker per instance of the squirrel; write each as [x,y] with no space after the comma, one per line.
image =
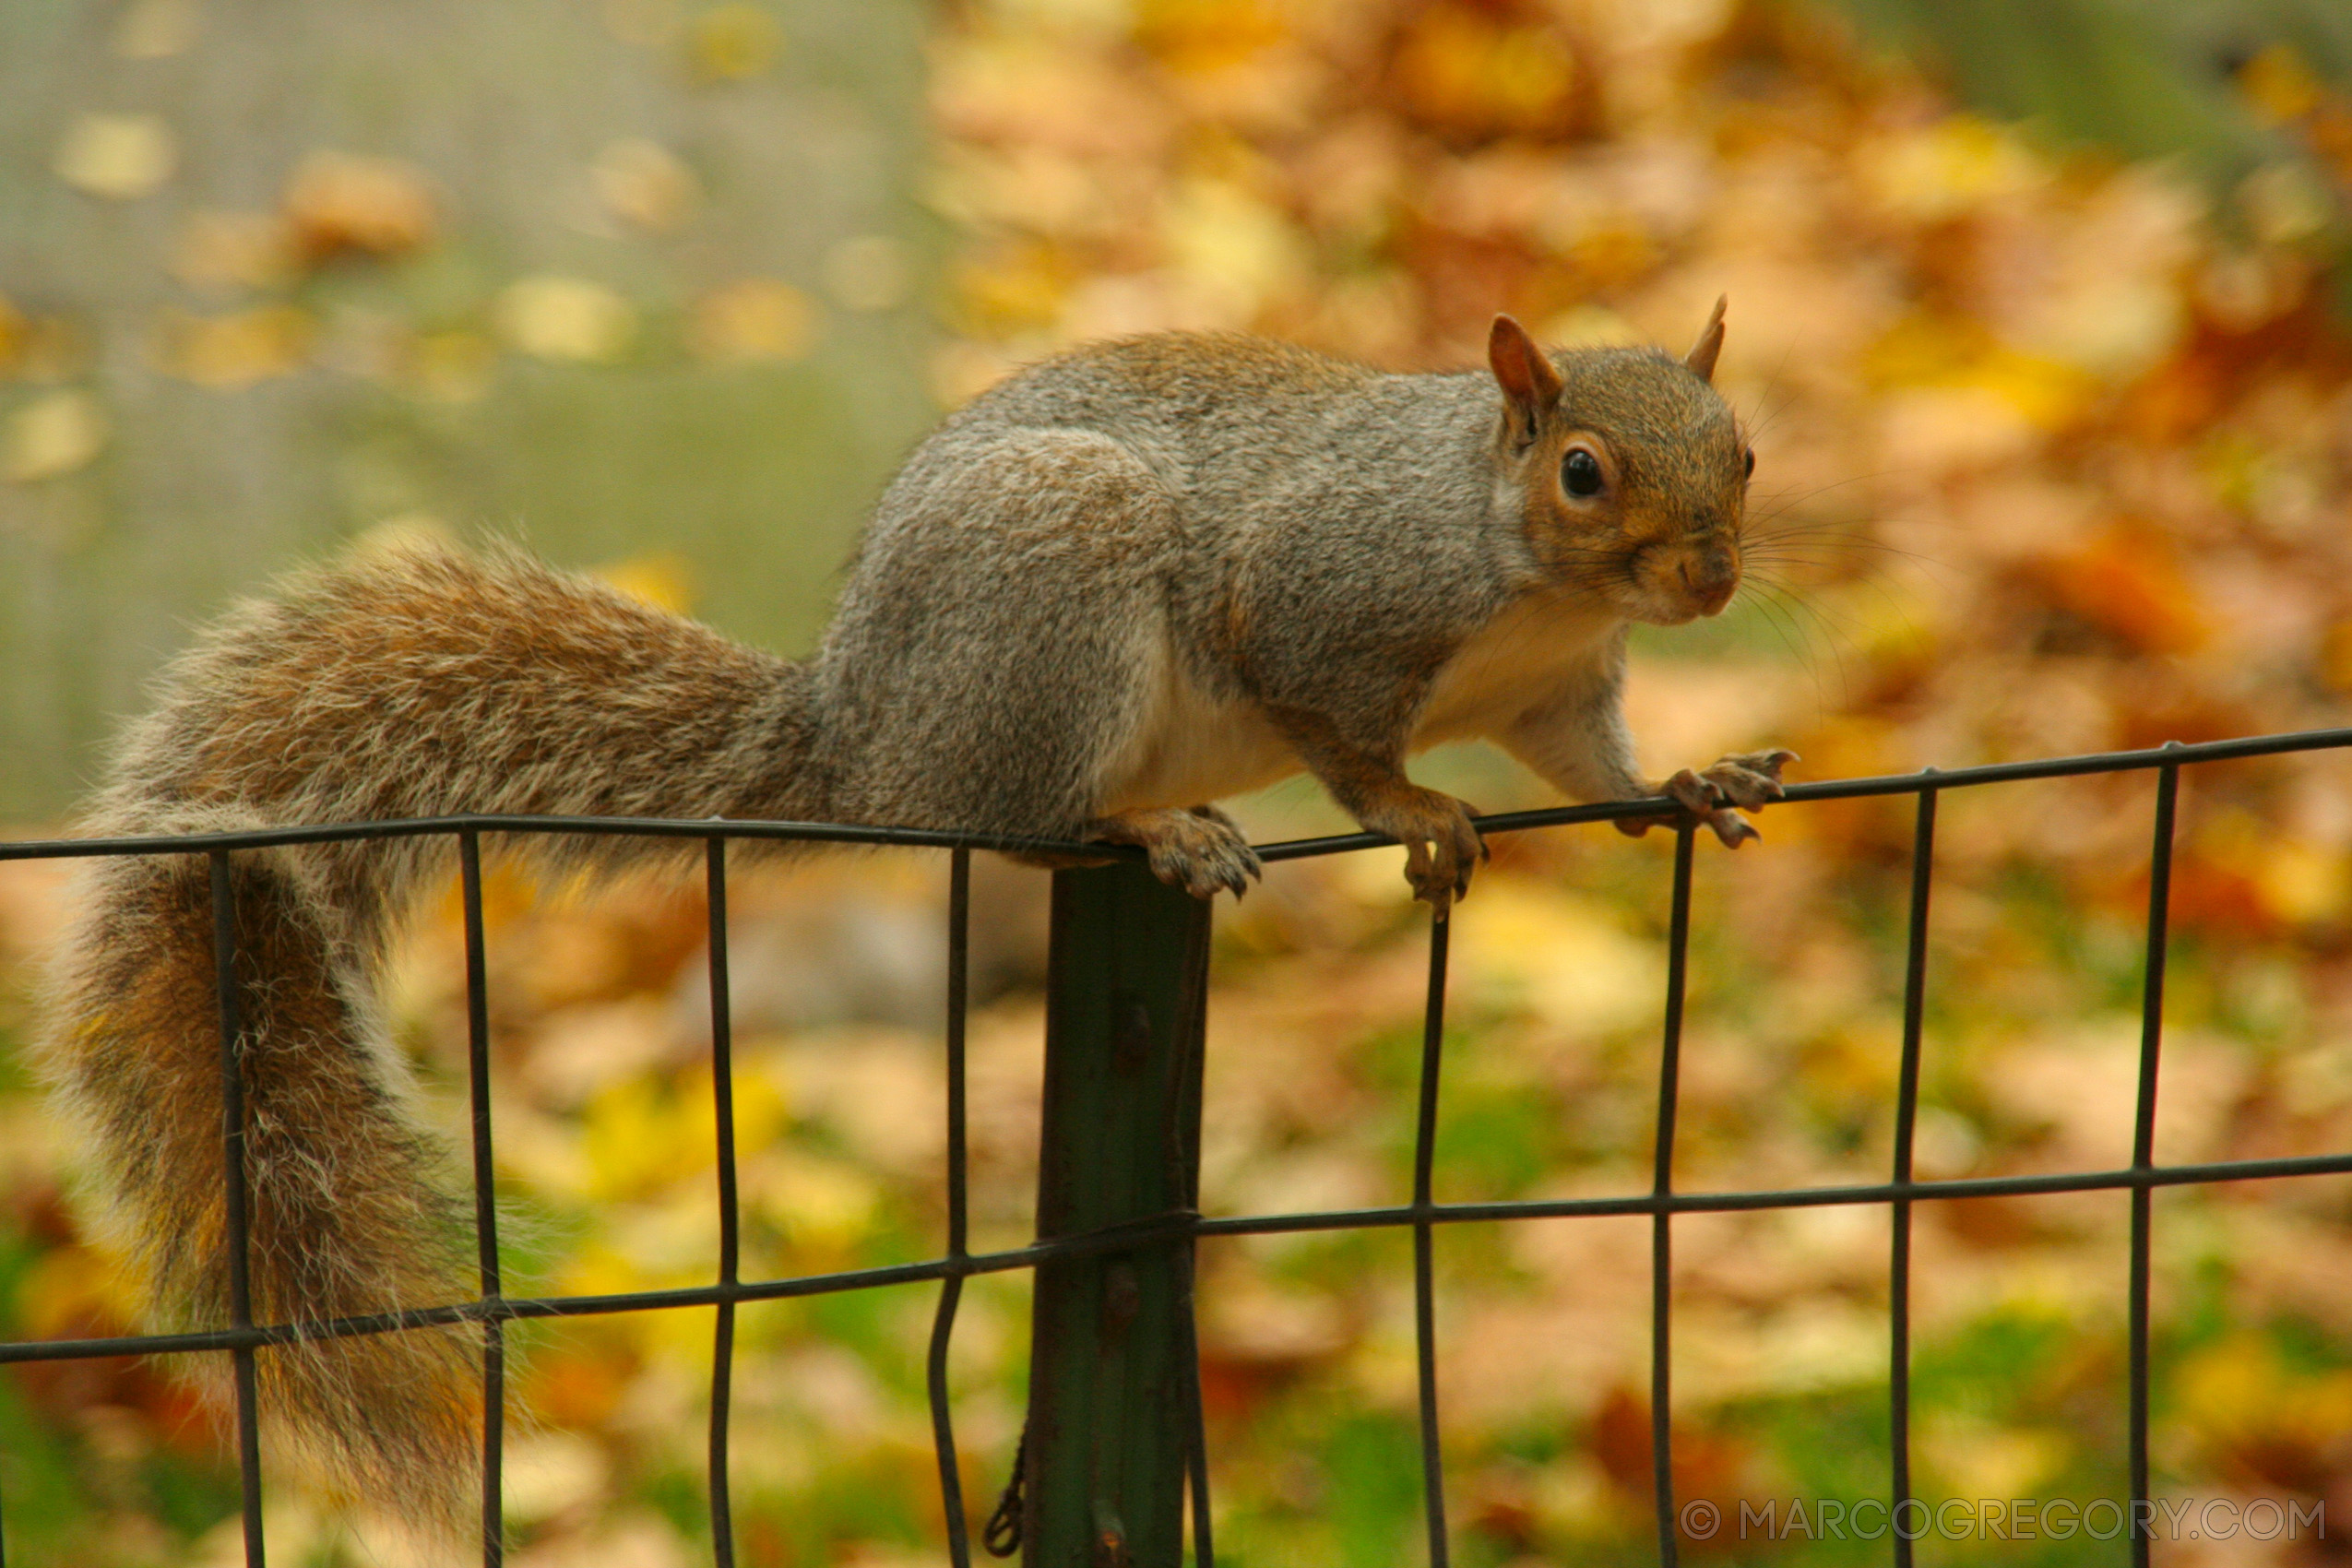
[1121,583]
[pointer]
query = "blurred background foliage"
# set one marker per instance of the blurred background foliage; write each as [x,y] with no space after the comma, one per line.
[613,278]
[2219,85]
[2036,320]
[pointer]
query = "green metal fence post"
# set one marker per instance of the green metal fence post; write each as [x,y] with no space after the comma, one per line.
[1110,1379]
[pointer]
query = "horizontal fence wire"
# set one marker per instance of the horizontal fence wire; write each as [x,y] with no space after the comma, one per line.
[492,1309]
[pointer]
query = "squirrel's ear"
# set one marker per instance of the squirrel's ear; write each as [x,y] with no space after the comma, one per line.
[1530,383]
[1702,355]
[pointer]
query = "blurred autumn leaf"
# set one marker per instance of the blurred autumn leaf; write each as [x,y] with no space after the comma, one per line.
[757,318]
[338,204]
[646,182]
[565,318]
[121,157]
[52,435]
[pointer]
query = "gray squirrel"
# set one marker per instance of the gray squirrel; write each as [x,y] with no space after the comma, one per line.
[1122,584]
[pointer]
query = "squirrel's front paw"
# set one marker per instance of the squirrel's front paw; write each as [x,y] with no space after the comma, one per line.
[1747,779]
[1710,794]
[1442,842]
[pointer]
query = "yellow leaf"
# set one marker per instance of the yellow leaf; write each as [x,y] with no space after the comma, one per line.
[1017,289]
[41,348]
[757,318]
[53,436]
[823,1207]
[1564,958]
[642,1135]
[1981,1458]
[2302,883]
[733,42]
[69,1290]
[2279,84]
[2045,392]
[241,250]
[663,580]
[238,350]
[1953,166]
[119,157]
[1233,246]
[1198,37]
[566,318]
[1472,72]
[2242,1392]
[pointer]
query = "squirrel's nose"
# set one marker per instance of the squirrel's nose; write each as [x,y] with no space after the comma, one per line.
[1711,578]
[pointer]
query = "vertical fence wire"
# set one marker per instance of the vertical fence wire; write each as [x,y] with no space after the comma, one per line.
[722,1100]
[1670,1073]
[494,1328]
[2144,1144]
[1424,1282]
[1195,1413]
[951,1288]
[1907,1120]
[235,1203]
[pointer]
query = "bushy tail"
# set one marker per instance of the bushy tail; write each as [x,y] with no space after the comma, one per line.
[414,682]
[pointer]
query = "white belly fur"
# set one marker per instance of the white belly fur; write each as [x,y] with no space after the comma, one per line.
[1193,748]
[1190,748]
[1513,662]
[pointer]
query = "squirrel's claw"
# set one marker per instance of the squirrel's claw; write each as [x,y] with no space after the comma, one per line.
[1730,827]
[1442,842]
[1705,798]
[1235,863]
[1711,795]
[1751,779]
[1201,850]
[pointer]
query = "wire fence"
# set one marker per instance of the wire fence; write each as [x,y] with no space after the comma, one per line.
[1175,1229]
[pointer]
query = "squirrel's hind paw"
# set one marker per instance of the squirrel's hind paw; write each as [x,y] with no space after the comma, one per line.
[1441,839]
[1199,851]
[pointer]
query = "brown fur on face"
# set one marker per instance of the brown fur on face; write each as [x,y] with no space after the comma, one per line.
[1661,536]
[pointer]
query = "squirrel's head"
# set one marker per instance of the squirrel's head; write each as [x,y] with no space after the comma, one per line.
[1628,469]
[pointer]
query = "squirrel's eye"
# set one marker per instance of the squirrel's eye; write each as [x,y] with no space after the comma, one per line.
[1580,472]
[1752,462]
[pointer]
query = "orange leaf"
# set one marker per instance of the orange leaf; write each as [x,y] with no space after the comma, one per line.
[2129,585]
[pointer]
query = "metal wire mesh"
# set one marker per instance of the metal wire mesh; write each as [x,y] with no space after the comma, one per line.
[1902,1191]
